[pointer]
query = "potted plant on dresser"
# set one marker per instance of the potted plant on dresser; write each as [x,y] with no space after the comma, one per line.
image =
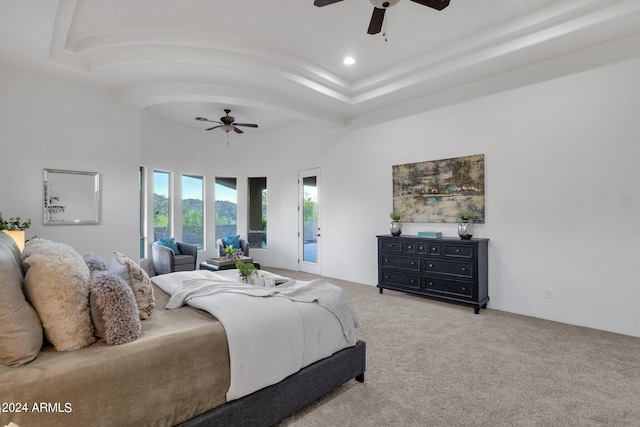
[395,227]
[465,226]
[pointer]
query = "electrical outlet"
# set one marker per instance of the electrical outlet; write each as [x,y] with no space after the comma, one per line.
[549,293]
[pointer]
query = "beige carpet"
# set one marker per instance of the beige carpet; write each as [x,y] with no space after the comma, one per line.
[432,363]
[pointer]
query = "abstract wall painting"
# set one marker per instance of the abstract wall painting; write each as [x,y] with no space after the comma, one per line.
[438,190]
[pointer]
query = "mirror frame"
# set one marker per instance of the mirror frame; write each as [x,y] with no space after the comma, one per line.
[90,202]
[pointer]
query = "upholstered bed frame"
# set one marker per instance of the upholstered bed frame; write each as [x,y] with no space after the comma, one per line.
[272,404]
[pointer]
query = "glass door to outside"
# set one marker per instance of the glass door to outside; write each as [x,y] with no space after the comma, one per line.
[309,225]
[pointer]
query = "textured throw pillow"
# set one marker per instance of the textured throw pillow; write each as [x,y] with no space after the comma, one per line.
[138,279]
[113,309]
[20,328]
[170,242]
[233,241]
[57,285]
[95,262]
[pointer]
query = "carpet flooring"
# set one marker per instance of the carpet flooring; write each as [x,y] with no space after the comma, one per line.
[432,363]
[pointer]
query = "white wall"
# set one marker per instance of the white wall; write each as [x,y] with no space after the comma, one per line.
[561,203]
[47,124]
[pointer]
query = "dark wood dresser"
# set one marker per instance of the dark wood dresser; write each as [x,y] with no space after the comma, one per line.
[447,268]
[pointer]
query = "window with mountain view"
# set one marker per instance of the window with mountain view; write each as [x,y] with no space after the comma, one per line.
[193,210]
[226,207]
[161,205]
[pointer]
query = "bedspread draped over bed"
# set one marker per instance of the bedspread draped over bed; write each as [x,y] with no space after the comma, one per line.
[272,332]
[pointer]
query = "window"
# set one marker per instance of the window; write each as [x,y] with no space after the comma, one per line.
[161,205]
[193,210]
[142,185]
[226,207]
[257,212]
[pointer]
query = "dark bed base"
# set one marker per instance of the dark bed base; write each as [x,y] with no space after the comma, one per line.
[272,404]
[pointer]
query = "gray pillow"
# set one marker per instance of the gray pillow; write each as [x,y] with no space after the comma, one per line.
[94,261]
[20,328]
[114,310]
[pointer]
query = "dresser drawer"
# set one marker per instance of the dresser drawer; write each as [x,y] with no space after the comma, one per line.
[459,269]
[390,246]
[458,251]
[400,262]
[400,280]
[446,287]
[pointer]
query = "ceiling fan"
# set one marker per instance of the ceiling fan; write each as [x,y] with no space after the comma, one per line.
[380,7]
[227,123]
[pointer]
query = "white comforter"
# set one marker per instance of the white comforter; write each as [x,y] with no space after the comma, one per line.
[269,337]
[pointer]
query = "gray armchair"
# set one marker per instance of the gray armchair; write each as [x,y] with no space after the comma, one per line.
[165,261]
[244,246]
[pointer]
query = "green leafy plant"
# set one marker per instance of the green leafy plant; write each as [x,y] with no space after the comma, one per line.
[14,224]
[246,270]
[395,216]
[229,249]
[465,216]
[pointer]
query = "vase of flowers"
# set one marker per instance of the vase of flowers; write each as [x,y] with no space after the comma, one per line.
[465,226]
[395,227]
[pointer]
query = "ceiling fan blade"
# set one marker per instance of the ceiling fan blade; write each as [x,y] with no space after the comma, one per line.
[215,127]
[237,130]
[250,125]
[202,119]
[321,3]
[375,26]
[434,4]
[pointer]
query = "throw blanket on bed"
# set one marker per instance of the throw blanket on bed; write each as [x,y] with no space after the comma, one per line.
[327,295]
[272,332]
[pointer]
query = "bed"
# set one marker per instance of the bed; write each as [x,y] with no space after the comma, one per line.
[176,373]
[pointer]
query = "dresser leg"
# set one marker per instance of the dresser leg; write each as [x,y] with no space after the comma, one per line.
[380,289]
[476,309]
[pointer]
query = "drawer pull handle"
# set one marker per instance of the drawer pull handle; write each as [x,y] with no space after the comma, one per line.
[409,246]
[433,249]
[464,268]
[464,289]
[457,251]
[430,283]
[386,277]
[430,265]
[421,248]
[386,260]
[413,263]
[413,281]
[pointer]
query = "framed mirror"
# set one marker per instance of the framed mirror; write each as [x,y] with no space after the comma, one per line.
[71,197]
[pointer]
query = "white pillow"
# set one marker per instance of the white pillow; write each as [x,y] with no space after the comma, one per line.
[57,285]
[138,279]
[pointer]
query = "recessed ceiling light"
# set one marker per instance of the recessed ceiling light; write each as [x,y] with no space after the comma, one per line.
[349,60]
